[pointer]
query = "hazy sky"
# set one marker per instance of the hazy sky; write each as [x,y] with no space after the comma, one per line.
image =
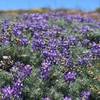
[86,5]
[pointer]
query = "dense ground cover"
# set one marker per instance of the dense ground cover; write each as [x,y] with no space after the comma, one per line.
[51,56]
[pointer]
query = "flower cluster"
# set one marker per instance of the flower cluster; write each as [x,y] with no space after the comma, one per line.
[85,95]
[45,69]
[15,90]
[70,76]
[58,46]
[67,98]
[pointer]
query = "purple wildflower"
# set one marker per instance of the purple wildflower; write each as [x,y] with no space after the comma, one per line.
[5,41]
[45,69]
[24,41]
[69,62]
[85,29]
[69,18]
[50,53]
[67,98]
[72,40]
[12,91]
[85,42]
[17,88]
[46,98]
[85,95]
[95,50]
[5,25]
[70,76]
[24,72]
[17,32]
[38,44]
[7,92]
[84,61]
[80,19]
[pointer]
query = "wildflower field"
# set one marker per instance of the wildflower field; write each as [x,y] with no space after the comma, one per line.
[49,56]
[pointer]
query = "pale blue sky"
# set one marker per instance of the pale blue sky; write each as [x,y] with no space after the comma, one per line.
[86,5]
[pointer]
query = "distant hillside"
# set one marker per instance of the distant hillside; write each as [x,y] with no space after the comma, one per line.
[95,14]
